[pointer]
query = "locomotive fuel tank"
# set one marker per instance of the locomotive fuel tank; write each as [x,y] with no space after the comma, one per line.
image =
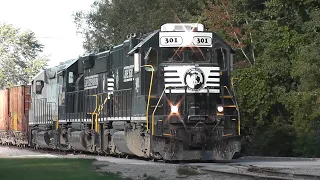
[132,142]
[120,141]
[81,140]
[42,139]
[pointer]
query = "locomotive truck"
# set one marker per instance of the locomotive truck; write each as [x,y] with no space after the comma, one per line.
[163,95]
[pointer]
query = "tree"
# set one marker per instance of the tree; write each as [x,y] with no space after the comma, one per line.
[277,94]
[19,56]
[109,22]
[304,101]
[226,19]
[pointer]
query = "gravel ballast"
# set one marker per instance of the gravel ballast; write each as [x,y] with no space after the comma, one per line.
[142,169]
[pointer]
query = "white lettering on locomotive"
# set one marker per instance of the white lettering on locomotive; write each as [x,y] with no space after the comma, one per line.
[91,82]
[128,73]
[182,39]
[171,40]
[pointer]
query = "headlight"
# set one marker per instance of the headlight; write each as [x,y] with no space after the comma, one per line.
[174,109]
[220,109]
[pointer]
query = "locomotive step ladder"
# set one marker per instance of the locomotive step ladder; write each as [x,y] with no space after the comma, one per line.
[230,101]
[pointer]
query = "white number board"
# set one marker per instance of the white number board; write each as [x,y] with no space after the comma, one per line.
[128,73]
[91,82]
[185,39]
[171,40]
[202,41]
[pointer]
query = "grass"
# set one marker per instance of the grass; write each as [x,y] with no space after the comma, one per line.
[51,169]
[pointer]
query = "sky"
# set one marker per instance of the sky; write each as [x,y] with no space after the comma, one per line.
[52,23]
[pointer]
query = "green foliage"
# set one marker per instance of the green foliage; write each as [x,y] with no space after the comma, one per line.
[109,22]
[272,139]
[19,56]
[278,96]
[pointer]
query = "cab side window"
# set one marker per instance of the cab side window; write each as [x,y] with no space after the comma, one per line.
[152,58]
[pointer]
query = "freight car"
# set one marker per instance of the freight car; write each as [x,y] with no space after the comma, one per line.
[14,110]
[164,95]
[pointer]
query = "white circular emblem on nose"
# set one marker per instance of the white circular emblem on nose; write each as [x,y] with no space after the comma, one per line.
[194,79]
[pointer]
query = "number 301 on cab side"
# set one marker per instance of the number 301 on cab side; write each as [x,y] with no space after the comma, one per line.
[171,40]
[202,41]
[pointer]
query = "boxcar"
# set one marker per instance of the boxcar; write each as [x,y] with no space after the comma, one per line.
[15,102]
[3,114]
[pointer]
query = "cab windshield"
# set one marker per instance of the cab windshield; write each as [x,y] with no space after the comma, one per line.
[194,54]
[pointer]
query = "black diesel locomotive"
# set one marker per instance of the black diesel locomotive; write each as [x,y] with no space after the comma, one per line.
[163,95]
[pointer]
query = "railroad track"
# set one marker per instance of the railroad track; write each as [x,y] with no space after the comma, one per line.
[90,154]
[237,170]
[254,172]
[50,151]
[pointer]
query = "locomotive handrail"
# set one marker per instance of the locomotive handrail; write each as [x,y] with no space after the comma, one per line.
[52,116]
[94,112]
[237,108]
[150,89]
[126,92]
[57,123]
[100,108]
[237,105]
[231,98]
[152,120]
